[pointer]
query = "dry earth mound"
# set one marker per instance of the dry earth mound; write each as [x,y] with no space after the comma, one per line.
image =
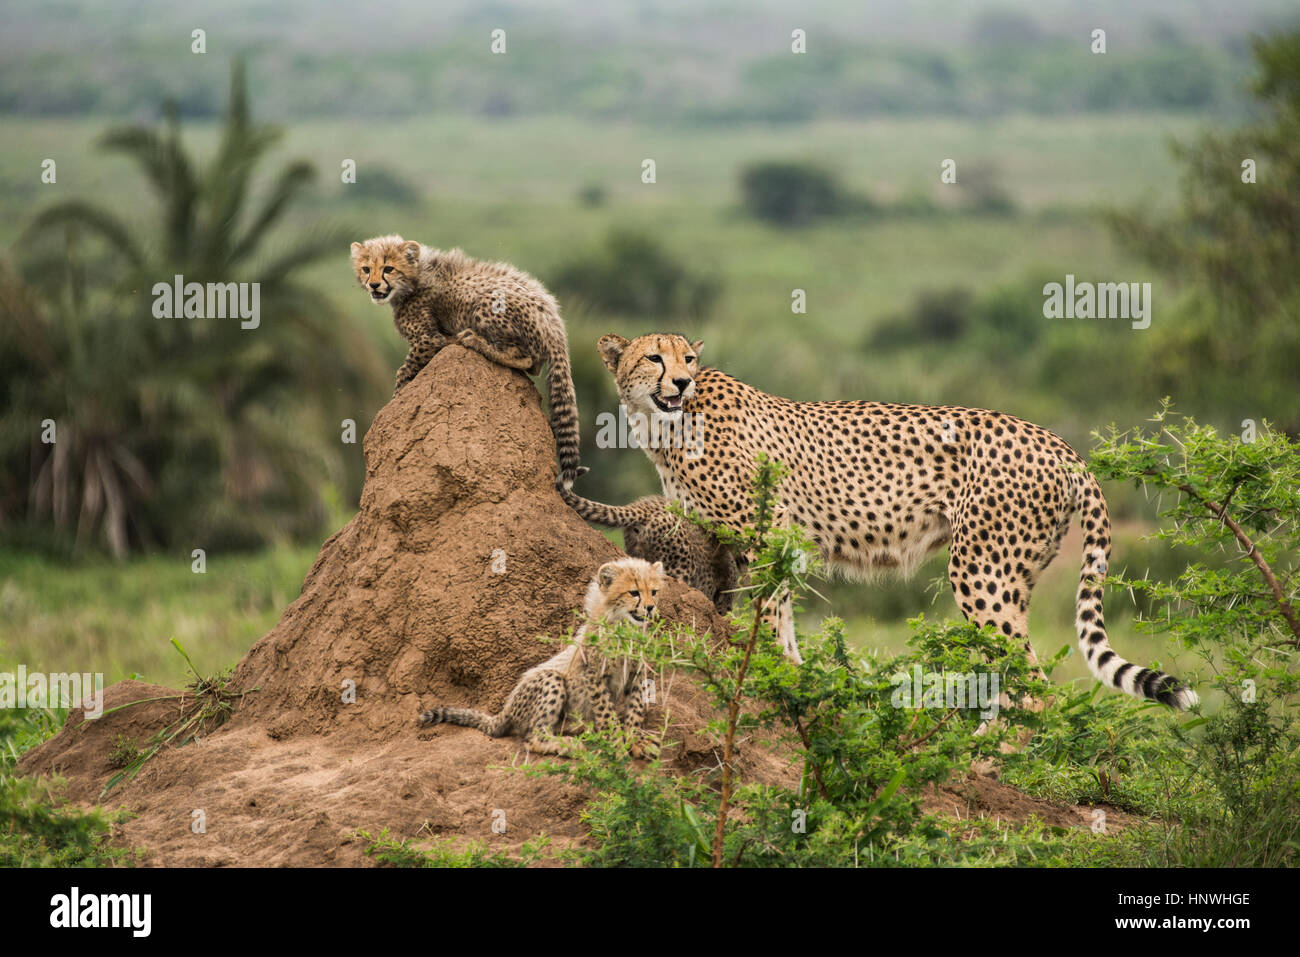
[460,556]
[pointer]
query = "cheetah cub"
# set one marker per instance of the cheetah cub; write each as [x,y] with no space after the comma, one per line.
[573,684]
[444,296]
[686,551]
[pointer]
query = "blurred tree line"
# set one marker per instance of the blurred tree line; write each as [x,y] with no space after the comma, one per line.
[1007,65]
[1225,336]
[1235,246]
[795,193]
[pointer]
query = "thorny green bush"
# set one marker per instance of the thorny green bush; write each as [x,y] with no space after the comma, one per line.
[1238,496]
[1218,787]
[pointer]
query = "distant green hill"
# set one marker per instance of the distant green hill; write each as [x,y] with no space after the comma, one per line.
[707,62]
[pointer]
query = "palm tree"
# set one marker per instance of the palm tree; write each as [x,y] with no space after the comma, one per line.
[183,427]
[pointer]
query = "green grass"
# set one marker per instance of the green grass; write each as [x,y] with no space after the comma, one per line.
[119,619]
[444,854]
[1045,162]
[36,828]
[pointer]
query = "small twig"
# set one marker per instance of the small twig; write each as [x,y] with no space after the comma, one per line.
[744,844]
[929,734]
[1228,498]
[1252,552]
[728,746]
[807,746]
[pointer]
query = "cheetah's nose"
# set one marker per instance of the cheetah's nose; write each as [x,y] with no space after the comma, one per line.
[374,285]
[649,611]
[681,384]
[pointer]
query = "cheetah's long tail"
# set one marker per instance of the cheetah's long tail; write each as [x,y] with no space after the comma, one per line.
[564,412]
[611,516]
[1103,662]
[496,726]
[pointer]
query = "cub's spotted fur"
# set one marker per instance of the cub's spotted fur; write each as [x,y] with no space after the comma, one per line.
[879,486]
[442,296]
[573,683]
[686,551]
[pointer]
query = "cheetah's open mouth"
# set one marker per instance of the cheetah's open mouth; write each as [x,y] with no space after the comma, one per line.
[378,295]
[637,618]
[667,403]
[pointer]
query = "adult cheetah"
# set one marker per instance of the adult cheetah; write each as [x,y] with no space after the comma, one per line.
[879,486]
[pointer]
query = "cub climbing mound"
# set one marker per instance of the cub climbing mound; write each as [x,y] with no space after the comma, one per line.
[461,554]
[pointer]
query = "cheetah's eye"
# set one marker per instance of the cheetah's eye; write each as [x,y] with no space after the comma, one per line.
[690,359]
[635,594]
[366,270]
[387,270]
[659,360]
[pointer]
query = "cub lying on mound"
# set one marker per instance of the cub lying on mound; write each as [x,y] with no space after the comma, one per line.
[586,687]
[686,551]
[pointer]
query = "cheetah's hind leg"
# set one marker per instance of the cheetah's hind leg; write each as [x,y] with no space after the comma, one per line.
[541,740]
[550,696]
[512,358]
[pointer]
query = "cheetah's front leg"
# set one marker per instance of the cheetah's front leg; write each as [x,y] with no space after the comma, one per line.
[778,611]
[422,350]
[634,720]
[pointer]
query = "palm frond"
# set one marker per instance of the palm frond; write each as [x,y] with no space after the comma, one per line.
[147,148]
[96,219]
[322,243]
[214,434]
[292,178]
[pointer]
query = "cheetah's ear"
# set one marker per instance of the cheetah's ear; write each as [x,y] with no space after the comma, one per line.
[611,350]
[606,575]
[356,250]
[697,345]
[657,568]
[411,250]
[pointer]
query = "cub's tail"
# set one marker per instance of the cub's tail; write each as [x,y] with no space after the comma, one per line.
[564,413]
[611,516]
[496,726]
[1103,662]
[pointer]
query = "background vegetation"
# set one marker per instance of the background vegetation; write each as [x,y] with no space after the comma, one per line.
[774,172]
